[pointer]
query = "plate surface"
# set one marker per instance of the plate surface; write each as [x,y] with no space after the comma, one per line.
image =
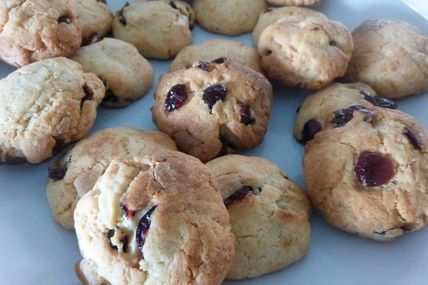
[35,250]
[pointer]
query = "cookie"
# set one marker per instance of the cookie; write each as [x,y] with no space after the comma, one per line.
[96,19]
[232,17]
[367,173]
[75,172]
[33,30]
[158,29]
[306,53]
[213,106]
[294,2]
[391,56]
[273,14]
[213,49]
[45,106]
[268,212]
[318,109]
[126,74]
[150,220]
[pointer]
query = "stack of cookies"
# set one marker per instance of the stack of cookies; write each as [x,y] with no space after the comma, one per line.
[177,206]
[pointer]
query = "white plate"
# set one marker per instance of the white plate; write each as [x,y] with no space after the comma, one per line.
[35,250]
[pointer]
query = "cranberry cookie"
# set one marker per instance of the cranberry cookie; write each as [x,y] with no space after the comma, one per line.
[151,220]
[43,107]
[269,215]
[213,105]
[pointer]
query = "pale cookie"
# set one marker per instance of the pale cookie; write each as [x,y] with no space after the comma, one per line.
[126,74]
[306,53]
[268,212]
[96,19]
[158,29]
[212,106]
[294,2]
[318,109]
[273,14]
[391,56]
[213,49]
[368,172]
[151,220]
[230,17]
[43,107]
[75,172]
[33,30]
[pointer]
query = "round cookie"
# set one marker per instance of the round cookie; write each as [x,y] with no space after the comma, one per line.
[96,19]
[318,109]
[43,107]
[294,2]
[273,14]
[75,172]
[212,106]
[232,17]
[391,56]
[126,74]
[268,212]
[158,29]
[368,173]
[33,30]
[150,220]
[306,53]
[213,49]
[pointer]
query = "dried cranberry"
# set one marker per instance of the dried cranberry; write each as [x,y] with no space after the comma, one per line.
[413,138]
[240,194]
[213,94]
[310,129]
[143,228]
[91,39]
[245,115]
[379,101]
[203,65]
[176,97]
[89,95]
[343,116]
[374,169]
[126,212]
[219,60]
[64,19]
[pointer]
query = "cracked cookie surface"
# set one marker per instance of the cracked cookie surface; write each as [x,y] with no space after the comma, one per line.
[211,105]
[368,175]
[294,2]
[43,107]
[269,215]
[75,172]
[150,220]
[33,30]
[391,56]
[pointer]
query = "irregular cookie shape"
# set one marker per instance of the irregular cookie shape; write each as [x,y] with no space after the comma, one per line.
[230,17]
[319,108]
[126,74]
[213,105]
[391,56]
[273,14]
[33,30]
[295,2]
[213,49]
[368,176]
[158,29]
[43,107]
[75,172]
[307,53]
[269,215]
[96,19]
[150,220]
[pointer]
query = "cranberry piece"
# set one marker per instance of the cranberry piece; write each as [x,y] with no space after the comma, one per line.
[203,65]
[213,94]
[143,228]
[126,212]
[310,129]
[374,169]
[176,97]
[379,101]
[413,138]
[219,60]
[245,115]
[343,116]
[240,194]
[64,19]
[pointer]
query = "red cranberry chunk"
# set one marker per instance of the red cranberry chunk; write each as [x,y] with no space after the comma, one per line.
[176,97]
[240,194]
[143,228]
[245,115]
[203,66]
[213,94]
[379,101]
[64,19]
[310,129]
[126,212]
[343,116]
[374,169]
[413,138]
